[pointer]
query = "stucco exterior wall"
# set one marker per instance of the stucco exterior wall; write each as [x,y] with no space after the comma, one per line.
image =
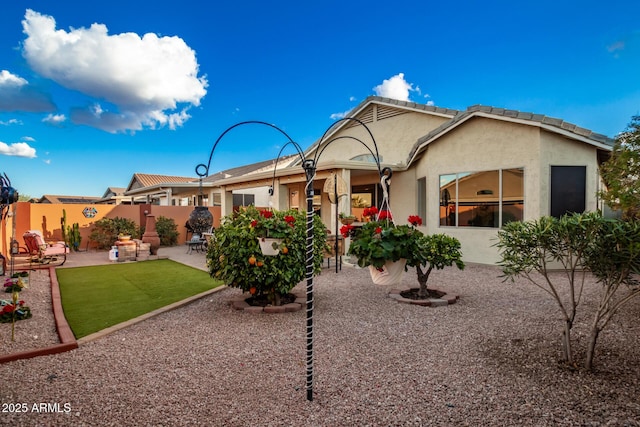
[559,151]
[46,218]
[394,137]
[483,144]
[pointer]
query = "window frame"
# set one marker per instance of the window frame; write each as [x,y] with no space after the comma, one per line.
[456,197]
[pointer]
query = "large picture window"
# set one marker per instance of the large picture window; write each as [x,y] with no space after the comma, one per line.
[482,199]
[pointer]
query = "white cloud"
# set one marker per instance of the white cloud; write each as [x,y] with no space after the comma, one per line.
[18,149]
[55,119]
[28,138]
[17,95]
[395,88]
[150,81]
[11,122]
[7,79]
[352,98]
[338,116]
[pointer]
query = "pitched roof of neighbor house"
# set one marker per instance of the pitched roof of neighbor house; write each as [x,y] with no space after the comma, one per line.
[540,120]
[50,198]
[113,191]
[140,180]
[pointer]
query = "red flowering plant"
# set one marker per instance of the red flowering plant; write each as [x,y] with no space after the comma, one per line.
[235,257]
[381,240]
[276,225]
[370,213]
[11,311]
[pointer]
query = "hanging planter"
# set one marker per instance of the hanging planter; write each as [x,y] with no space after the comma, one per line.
[269,246]
[389,274]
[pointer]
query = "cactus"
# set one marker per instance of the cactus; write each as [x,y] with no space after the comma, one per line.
[74,237]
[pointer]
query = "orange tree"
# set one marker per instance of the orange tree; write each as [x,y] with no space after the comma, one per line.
[234,255]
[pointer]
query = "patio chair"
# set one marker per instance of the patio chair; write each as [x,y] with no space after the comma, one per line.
[42,252]
[196,242]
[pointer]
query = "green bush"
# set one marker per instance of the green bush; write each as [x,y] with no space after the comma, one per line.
[106,231]
[167,230]
[234,256]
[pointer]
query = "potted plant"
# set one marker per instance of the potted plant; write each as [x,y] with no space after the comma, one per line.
[382,246]
[388,249]
[271,228]
[234,255]
[346,219]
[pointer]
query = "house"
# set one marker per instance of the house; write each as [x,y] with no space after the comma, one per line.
[466,173]
[50,198]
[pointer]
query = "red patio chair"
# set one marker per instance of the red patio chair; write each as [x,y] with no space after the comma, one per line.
[43,252]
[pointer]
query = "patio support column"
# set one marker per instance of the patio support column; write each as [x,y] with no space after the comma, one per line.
[226,202]
[280,198]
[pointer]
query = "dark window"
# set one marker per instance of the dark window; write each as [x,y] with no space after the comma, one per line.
[421,199]
[243,199]
[568,189]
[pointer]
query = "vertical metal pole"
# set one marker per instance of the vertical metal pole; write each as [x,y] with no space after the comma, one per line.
[310,170]
[335,192]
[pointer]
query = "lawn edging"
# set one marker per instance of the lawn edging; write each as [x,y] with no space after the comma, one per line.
[68,341]
[130,322]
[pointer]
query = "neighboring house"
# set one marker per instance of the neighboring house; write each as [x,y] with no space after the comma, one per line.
[465,172]
[114,196]
[50,198]
[164,190]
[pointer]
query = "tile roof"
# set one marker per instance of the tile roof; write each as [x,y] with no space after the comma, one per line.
[148,180]
[249,169]
[51,198]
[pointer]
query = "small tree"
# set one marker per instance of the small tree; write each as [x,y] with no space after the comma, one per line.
[621,173]
[434,251]
[234,255]
[613,258]
[579,243]
[538,247]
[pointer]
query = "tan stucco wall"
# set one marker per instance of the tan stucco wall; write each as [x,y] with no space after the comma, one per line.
[394,136]
[46,218]
[485,144]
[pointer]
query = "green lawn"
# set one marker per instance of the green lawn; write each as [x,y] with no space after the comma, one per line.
[95,298]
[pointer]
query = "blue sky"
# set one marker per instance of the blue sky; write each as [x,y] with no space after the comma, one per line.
[92,92]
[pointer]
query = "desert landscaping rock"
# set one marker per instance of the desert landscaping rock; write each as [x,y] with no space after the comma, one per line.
[491,359]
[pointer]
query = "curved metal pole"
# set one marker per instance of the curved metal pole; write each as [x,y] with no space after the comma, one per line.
[300,154]
[377,155]
[215,144]
[360,141]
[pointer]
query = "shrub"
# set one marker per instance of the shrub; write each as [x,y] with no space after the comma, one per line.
[106,231]
[234,255]
[167,230]
[578,243]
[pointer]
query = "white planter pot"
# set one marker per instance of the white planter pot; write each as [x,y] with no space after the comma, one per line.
[269,246]
[389,274]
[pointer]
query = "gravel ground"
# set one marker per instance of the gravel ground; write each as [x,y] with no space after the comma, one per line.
[489,360]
